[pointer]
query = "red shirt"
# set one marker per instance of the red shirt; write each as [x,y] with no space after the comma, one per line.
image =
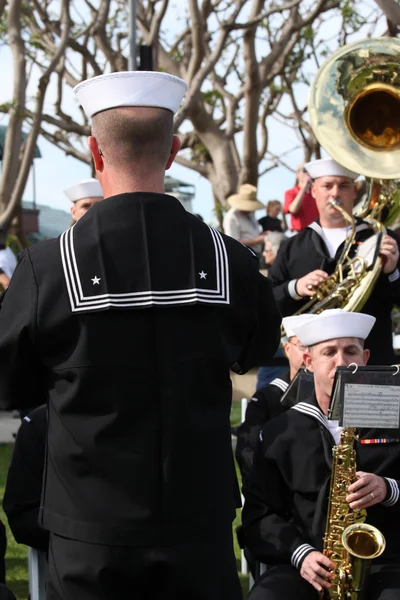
[307,213]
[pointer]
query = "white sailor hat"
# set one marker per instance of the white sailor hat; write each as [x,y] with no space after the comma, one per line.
[130,88]
[295,321]
[328,167]
[88,188]
[332,324]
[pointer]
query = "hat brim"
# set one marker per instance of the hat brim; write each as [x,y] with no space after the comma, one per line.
[240,203]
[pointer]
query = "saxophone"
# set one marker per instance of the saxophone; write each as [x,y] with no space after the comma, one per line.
[349,542]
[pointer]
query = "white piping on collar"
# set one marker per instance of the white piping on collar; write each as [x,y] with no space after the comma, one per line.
[311,411]
[318,229]
[79,302]
[280,383]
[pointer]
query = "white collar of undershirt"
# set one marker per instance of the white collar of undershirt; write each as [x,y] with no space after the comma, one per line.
[335,430]
[333,237]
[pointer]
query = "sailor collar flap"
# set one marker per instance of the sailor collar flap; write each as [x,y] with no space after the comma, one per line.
[316,226]
[310,408]
[142,250]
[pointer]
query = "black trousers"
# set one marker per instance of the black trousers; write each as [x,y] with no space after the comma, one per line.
[198,571]
[284,581]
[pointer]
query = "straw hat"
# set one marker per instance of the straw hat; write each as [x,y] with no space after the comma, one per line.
[246,199]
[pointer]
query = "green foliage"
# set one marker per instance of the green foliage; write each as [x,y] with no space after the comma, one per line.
[3,27]
[211,97]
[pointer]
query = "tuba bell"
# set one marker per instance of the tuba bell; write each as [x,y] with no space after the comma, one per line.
[354,111]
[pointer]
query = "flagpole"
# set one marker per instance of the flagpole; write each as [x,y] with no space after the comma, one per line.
[132,60]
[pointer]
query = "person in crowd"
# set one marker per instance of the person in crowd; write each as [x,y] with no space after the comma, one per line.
[267,402]
[271,222]
[83,196]
[309,258]
[286,496]
[272,242]
[278,364]
[8,261]
[4,281]
[113,333]
[299,202]
[24,483]
[240,222]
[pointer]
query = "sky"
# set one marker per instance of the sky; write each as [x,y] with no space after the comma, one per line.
[54,171]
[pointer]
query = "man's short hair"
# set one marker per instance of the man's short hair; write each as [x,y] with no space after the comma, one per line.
[139,135]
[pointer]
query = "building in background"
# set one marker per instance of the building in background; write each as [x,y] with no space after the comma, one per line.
[184,192]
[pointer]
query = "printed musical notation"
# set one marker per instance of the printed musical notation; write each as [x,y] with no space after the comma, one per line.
[371,406]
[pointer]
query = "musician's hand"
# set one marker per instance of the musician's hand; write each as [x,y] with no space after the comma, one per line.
[389,252]
[307,285]
[369,489]
[316,569]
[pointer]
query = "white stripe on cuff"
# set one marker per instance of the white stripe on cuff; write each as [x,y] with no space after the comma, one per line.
[292,290]
[394,276]
[299,554]
[394,492]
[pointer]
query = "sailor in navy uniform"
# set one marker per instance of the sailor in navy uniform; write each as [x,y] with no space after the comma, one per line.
[22,493]
[286,495]
[268,402]
[309,257]
[128,326]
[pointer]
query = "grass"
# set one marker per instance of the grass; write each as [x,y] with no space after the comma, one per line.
[16,557]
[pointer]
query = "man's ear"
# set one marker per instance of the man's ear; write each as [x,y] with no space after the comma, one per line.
[176,146]
[73,211]
[313,190]
[97,156]
[366,355]
[308,361]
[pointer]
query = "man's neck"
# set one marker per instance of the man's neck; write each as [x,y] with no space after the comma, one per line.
[323,401]
[336,224]
[119,183]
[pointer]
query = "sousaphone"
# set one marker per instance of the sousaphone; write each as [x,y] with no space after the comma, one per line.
[354,110]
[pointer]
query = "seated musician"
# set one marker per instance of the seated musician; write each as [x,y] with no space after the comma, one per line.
[266,402]
[23,490]
[286,496]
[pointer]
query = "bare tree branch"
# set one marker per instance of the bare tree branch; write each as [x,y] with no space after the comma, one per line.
[391,9]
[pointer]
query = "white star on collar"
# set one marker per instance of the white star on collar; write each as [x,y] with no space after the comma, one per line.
[203,275]
[96,280]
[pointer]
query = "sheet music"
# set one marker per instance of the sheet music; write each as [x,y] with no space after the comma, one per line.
[371,406]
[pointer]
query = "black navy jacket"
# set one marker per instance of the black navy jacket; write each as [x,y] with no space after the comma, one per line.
[23,491]
[306,252]
[263,406]
[128,326]
[286,495]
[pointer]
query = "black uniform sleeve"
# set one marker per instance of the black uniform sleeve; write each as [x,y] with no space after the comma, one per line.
[268,533]
[390,283]
[24,486]
[21,373]
[266,333]
[264,405]
[393,493]
[284,287]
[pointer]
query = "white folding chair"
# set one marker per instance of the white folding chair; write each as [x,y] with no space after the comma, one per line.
[37,568]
